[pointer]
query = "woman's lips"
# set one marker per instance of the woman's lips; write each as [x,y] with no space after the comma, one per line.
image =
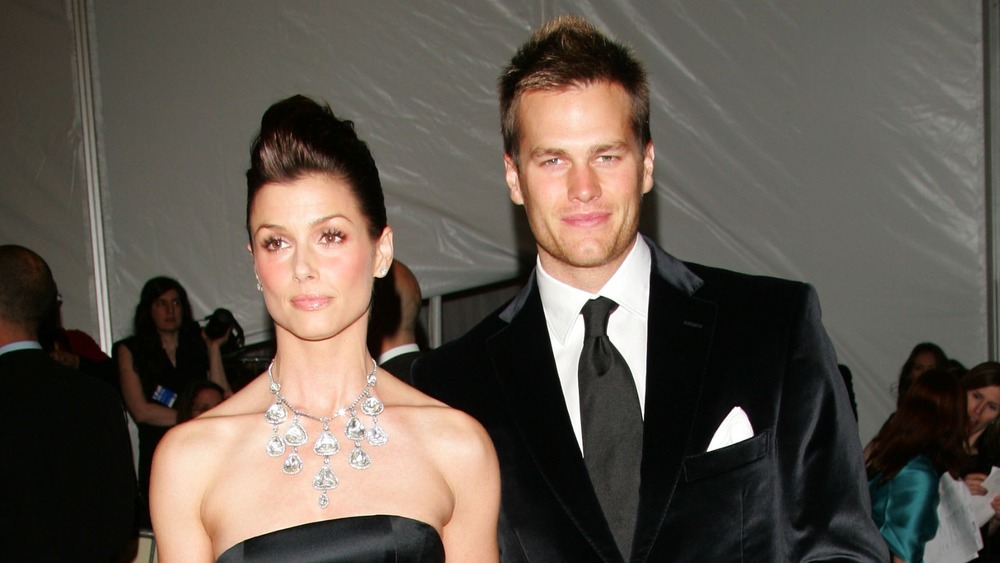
[310,302]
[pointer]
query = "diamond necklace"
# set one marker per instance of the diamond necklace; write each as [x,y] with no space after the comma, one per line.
[326,443]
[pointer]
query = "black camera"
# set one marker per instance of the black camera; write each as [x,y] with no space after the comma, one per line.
[221,322]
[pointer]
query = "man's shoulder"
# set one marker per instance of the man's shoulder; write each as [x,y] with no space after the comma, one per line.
[471,341]
[722,283]
[34,372]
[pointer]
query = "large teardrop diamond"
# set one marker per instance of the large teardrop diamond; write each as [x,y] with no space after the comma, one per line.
[326,444]
[359,459]
[275,446]
[296,435]
[325,479]
[354,429]
[377,436]
[372,406]
[293,464]
[276,414]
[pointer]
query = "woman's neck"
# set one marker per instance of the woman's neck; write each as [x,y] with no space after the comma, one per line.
[169,339]
[970,445]
[321,376]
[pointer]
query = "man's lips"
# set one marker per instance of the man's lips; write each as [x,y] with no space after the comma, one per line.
[585,220]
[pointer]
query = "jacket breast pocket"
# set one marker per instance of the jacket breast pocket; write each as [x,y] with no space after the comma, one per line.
[717,462]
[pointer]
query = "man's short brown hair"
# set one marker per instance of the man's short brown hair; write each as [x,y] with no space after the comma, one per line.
[569,51]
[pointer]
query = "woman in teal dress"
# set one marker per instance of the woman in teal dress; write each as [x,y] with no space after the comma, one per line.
[924,439]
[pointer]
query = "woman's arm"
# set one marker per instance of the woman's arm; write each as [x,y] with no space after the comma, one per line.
[474,476]
[175,492]
[143,411]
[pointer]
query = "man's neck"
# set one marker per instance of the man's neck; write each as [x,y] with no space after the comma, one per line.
[10,334]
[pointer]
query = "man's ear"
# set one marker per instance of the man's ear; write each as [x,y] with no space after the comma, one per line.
[647,168]
[513,180]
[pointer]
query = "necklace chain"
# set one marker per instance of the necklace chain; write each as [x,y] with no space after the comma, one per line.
[326,444]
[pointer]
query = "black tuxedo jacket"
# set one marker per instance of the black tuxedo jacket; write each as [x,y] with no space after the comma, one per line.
[796,491]
[401,365]
[67,484]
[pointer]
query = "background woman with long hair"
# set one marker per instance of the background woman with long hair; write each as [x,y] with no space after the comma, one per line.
[924,439]
[165,353]
[982,388]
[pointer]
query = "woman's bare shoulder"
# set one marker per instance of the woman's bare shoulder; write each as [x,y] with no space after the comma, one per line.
[208,436]
[456,437]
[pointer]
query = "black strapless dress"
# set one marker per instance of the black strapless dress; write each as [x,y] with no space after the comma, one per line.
[357,539]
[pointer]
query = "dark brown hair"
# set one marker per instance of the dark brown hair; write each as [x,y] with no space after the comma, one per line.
[905,379]
[185,401]
[299,137]
[982,375]
[931,421]
[569,51]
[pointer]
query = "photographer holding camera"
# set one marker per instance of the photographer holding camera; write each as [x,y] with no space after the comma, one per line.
[166,352]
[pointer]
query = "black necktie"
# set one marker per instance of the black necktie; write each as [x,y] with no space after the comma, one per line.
[612,423]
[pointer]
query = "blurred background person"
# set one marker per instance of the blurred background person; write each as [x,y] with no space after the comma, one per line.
[923,439]
[197,398]
[982,388]
[924,356]
[67,488]
[395,334]
[75,348]
[166,352]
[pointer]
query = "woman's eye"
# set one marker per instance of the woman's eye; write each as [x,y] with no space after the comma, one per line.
[272,243]
[332,237]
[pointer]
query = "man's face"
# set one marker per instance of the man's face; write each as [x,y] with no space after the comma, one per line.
[581,178]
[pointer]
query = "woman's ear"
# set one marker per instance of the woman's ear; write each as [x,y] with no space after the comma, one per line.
[383,253]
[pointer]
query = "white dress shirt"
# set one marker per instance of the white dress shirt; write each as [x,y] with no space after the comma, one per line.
[397,351]
[629,287]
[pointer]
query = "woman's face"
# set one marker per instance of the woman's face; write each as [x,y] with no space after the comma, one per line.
[984,406]
[314,257]
[167,311]
[923,362]
[204,400]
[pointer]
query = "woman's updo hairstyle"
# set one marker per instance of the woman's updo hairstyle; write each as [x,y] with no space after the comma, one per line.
[299,137]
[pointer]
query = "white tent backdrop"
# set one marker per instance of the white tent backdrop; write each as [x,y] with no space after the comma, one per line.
[841,143]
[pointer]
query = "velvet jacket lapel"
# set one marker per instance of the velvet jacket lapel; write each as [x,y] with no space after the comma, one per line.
[523,359]
[680,334]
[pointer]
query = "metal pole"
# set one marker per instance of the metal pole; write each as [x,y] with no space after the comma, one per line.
[80,11]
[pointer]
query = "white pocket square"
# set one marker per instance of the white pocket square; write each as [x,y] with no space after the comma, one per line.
[735,428]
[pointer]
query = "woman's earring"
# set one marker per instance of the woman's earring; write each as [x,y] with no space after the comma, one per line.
[259,288]
[383,272]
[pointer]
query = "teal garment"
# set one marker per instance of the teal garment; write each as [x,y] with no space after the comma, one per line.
[905,508]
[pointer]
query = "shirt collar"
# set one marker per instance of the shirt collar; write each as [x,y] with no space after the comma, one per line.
[22,345]
[397,351]
[629,287]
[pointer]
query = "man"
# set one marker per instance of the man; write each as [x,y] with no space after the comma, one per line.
[67,486]
[713,426]
[395,321]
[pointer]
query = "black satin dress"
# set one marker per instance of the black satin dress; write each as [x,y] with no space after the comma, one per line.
[357,539]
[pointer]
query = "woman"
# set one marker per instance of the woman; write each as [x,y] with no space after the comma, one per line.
[261,472]
[165,353]
[924,356]
[982,387]
[924,439]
